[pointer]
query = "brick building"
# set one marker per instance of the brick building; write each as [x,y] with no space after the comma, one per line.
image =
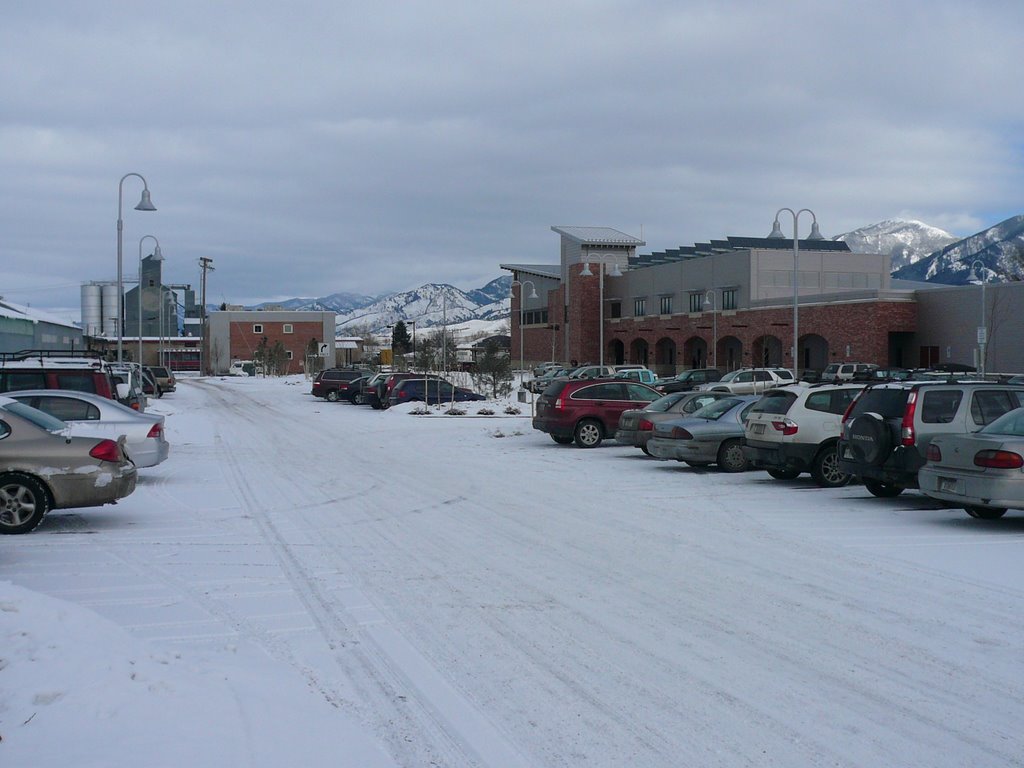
[237,334]
[728,303]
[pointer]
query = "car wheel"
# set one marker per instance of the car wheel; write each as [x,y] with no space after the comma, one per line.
[588,434]
[561,440]
[23,502]
[825,469]
[357,399]
[784,474]
[332,395]
[882,490]
[645,449]
[731,457]
[985,513]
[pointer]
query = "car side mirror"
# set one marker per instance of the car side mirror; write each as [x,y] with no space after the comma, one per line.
[123,391]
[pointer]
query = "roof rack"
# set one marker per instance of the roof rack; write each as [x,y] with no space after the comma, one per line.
[26,354]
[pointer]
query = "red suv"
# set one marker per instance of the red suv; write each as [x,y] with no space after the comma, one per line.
[587,411]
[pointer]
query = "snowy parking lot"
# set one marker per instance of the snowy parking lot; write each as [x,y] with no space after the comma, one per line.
[319,584]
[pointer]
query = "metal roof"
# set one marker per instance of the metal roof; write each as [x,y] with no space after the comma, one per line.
[540,270]
[597,236]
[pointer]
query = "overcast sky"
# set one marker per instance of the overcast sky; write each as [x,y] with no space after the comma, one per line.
[311,148]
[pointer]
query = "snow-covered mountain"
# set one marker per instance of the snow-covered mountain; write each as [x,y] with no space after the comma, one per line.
[1000,249]
[906,241]
[336,302]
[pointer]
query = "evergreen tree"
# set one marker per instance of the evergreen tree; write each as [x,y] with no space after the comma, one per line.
[493,371]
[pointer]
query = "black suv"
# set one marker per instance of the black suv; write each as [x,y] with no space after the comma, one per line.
[687,380]
[887,429]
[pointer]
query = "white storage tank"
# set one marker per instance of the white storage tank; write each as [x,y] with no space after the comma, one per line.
[111,314]
[92,309]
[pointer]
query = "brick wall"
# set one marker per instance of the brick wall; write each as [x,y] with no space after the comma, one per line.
[244,342]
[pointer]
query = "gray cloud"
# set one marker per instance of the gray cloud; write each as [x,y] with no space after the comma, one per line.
[374,147]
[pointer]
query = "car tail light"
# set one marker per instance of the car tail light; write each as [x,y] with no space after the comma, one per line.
[559,404]
[998,460]
[155,431]
[849,408]
[786,426]
[106,450]
[135,405]
[934,454]
[907,436]
[645,425]
[678,433]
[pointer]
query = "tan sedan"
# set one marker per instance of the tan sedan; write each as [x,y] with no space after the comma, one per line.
[43,468]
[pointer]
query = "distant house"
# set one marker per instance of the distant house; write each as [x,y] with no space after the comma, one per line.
[24,327]
[468,354]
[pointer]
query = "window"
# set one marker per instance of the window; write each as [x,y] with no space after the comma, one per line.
[288,354]
[257,328]
[665,305]
[13,381]
[989,405]
[81,382]
[639,307]
[68,408]
[729,298]
[616,309]
[696,302]
[940,407]
[287,328]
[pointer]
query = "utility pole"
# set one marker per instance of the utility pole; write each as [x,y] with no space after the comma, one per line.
[206,265]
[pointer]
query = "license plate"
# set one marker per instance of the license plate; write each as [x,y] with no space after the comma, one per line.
[758,429]
[947,485]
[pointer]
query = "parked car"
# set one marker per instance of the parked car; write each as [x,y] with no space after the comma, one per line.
[982,472]
[150,387]
[164,377]
[44,369]
[846,371]
[543,368]
[688,380]
[749,381]
[587,411]
[642,375]
[330,382]
[367,394]
[242,368]
[592,372]
[887,429]
[712,435]
[129,387]
[540,383]
[94,416]
[637,425]
[388,383]
[42,468]
[796,429]
[431,391]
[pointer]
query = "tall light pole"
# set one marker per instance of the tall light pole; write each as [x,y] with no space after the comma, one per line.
[413,324]
[522,301]
[776,234]
[157,256]
[711,302]
[976,277]
[614,272]
[145,204]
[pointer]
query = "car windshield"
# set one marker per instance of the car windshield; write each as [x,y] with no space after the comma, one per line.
[663,404]
[717,409]
[1010,423]
[37,417]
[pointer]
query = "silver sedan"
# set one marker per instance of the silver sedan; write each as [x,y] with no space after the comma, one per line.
[44,468]
[91,415]
[982,472]
[712,435]
[637,425]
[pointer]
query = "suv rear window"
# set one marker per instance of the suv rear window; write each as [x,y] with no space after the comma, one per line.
[775,401]
[12,381]
[940,407]
[887,403]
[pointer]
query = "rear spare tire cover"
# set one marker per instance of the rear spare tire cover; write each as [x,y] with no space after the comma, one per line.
[869,438]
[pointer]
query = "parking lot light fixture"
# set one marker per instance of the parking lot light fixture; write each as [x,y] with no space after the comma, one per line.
[977,278]
[776,234]
[145,204]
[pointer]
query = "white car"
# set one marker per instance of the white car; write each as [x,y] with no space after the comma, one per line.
[238,367]
[749,381]
[796,429]
[91,415]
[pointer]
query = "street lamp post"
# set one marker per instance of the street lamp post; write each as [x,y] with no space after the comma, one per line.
[711,302]
[602,264]
[776,234]
[522,301]
[145,204]
[157,256]
[977,277]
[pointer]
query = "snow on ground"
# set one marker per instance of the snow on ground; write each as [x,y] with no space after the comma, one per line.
[311,583]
